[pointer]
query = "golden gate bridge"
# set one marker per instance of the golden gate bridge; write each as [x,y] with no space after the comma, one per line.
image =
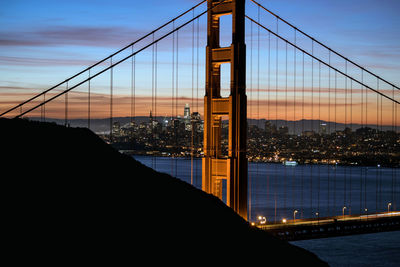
[252,67]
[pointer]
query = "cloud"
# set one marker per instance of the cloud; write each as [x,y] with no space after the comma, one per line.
[72,35]
[29,61]
[163,105]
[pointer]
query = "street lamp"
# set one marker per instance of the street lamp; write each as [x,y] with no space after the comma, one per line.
[284,220]
[262,220]
[343,211]
[317,214]
[294,216]
[389,204]
[366,211]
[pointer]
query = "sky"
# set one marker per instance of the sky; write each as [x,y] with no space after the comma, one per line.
[44,42]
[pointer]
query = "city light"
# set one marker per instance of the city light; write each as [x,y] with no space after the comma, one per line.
[262,219]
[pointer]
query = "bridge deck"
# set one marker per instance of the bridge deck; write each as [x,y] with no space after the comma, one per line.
[334,226]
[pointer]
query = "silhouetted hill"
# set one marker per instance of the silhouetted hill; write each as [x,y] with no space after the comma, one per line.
[71,198]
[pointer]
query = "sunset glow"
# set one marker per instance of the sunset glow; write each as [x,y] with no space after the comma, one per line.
[49,42]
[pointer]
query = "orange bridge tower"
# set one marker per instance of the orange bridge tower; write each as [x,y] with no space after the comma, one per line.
[231,167]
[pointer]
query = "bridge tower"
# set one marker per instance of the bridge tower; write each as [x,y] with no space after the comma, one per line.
[231,167]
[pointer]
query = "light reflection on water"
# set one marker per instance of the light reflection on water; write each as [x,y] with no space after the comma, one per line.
[325,189]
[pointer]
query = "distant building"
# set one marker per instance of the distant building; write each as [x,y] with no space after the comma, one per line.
[187,117]
[307,133]
[186,112]
[196,121]
[322,129]
[283,130]
[116,129]
[270,129]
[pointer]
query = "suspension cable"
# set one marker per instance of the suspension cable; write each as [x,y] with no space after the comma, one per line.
[109,67]
[323,45]
[323,62]
[112,55]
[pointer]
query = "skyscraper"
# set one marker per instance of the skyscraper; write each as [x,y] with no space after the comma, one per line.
[186,112]
[186,117]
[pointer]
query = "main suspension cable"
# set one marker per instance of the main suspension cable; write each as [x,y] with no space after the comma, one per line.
[323,45]
[323,62]
[110,56]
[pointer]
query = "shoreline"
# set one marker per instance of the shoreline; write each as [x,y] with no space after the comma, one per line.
[305,162]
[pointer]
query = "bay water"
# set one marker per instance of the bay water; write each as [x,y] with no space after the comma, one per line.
[277,190]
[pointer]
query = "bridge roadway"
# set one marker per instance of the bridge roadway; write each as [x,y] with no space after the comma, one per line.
[302,229]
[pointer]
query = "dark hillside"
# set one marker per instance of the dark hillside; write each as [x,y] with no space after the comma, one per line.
[71,198]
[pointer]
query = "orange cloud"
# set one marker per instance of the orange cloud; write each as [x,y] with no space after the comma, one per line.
[340,110]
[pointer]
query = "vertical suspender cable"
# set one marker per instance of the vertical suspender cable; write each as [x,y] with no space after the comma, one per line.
[303,136]
[276,112]
[42,110]
[89,99]
[134,88]
[380,135]
[173,122]
[336,143]
[176,95]
[258,95]
[392,167]
[155,98]
[329,132]
[346,139]
[66,107]
[197,66]
[294,118]
[286,91]
[197,86]
[312,128]
[351,136]
[111,101]
[250,115]
[366,124]
[362,127]
[320,138]
[394,171]
[152,111]
[268,107]
[133,80]
[192,125]
[376,137]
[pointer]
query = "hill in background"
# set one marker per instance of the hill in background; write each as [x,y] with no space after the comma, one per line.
[71,198]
